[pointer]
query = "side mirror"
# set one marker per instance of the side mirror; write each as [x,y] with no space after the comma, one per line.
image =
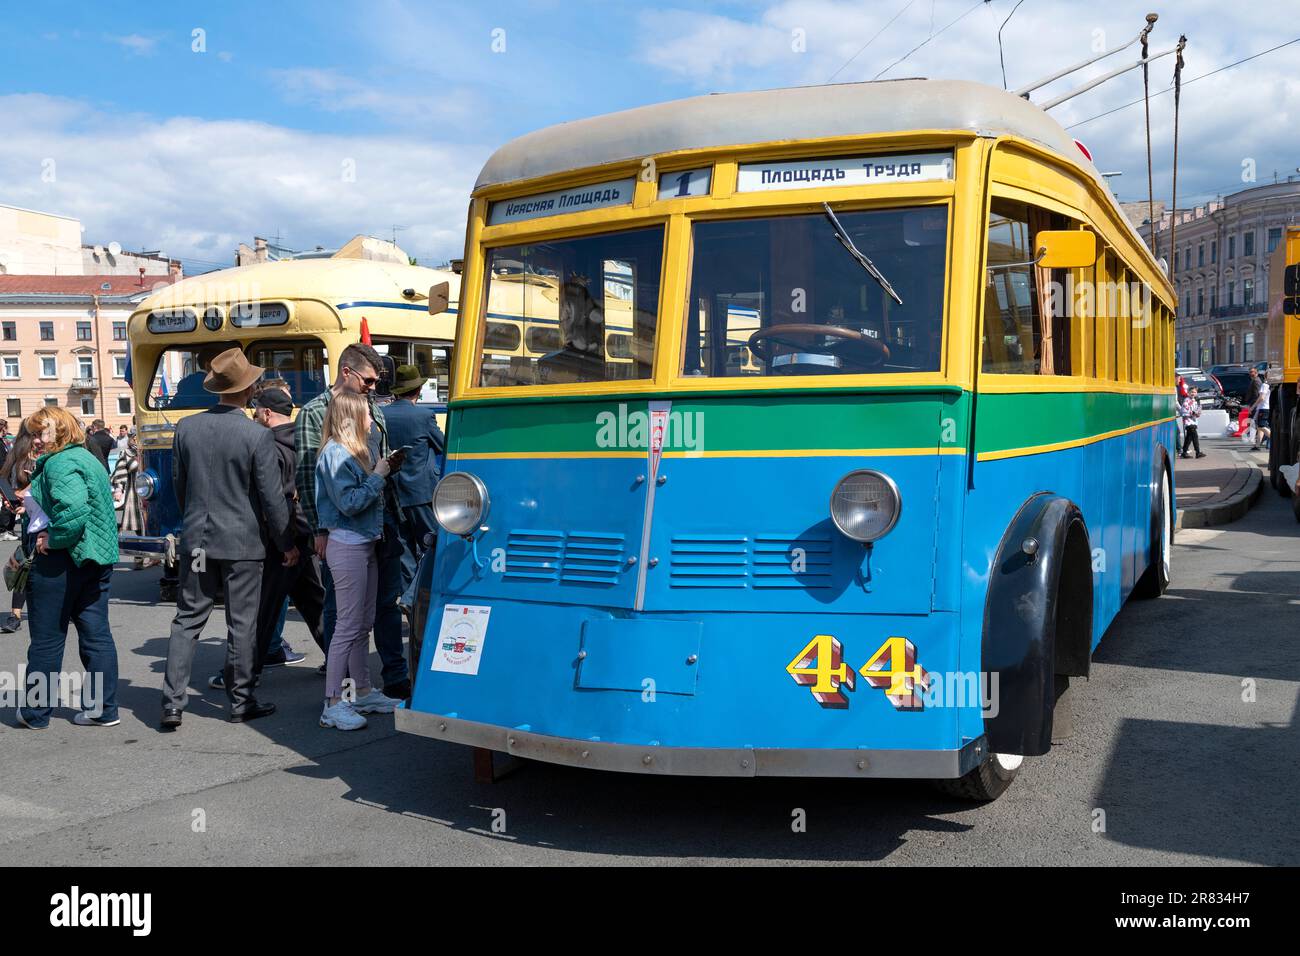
[1066,248]
[439,297]
[1291,305]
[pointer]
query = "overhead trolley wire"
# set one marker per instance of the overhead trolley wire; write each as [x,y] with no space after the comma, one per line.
[873,39]
[1253,56]
[978,3]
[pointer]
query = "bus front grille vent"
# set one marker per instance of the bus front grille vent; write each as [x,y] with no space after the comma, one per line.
[591,557]
[737,561]
[710,561]
[576,557]
[534,555]
[791,561]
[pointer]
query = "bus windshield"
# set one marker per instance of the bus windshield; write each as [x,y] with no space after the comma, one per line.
[572,310]
[178,376]
[784,296]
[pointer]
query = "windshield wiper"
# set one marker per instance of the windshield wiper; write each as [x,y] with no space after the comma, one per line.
[856,253]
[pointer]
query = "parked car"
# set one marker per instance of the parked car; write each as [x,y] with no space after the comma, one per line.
[1234,380]
[1208,391]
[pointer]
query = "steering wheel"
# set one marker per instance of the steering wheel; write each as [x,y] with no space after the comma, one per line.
[806,336]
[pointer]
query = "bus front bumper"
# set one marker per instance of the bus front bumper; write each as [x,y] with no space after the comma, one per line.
[696,761]
[148,547]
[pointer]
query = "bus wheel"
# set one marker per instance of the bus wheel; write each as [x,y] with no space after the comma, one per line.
[986,782]
[1155,580]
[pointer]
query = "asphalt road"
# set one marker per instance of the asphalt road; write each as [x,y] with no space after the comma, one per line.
[1184,769]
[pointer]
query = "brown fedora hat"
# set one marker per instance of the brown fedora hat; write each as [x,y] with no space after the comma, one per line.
[231,372]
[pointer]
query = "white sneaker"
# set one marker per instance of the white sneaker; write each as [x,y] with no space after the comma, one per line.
[375,703]
[83,719]
[342,716]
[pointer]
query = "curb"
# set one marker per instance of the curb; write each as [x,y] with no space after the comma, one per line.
[1223,512]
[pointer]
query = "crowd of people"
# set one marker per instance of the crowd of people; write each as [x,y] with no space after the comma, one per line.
[1253,417]
[329,510]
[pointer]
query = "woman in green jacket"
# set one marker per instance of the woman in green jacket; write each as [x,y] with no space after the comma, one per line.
[75,554]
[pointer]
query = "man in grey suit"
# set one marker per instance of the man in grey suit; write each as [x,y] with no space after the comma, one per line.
[227,479]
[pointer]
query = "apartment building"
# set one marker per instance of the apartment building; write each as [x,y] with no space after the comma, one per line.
[1220,267]
[63,342]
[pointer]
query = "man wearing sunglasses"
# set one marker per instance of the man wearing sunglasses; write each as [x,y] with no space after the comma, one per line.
[358,372]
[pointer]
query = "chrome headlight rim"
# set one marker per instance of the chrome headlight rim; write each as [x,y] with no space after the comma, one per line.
[146,485]
[893,490]
[480,489]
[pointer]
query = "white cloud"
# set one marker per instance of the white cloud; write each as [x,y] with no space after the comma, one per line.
[195,188]
[334,92]
[1245,112]
[136,44]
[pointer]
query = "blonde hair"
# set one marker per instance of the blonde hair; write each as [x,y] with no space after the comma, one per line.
[345,423]
[67,430]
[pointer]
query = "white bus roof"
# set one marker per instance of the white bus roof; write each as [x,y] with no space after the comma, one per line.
[806,112]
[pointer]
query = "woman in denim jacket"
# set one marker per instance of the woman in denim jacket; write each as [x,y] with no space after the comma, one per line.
[350,503]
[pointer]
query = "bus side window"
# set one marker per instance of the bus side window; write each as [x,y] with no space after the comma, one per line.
[1027,318]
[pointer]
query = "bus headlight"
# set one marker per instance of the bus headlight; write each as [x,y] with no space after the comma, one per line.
[865,505]
[460,503]
[145,484]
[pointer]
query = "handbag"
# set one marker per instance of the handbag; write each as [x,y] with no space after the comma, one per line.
[16,578]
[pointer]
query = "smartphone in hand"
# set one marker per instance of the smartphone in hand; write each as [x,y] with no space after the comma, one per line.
[395,458]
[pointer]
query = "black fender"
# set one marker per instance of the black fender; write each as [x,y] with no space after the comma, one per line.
[418,615]
[1028,586]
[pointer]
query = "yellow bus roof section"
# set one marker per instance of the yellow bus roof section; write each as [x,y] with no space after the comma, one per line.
[807,113]
[328,280]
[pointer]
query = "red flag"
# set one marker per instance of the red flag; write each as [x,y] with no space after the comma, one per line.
[365,331]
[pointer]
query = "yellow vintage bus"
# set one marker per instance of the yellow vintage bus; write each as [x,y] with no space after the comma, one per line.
[1284,329]
[899,419]
[292,317]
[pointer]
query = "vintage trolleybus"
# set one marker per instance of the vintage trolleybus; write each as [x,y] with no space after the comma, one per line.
[292,317]
[891,450]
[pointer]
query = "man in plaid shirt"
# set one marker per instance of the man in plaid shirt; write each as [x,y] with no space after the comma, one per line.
[358,372]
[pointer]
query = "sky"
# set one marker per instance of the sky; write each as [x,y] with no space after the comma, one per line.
[189,128]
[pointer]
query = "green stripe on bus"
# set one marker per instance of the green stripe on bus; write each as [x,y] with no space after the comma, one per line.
[755,423]
[1026,419]
[863,420]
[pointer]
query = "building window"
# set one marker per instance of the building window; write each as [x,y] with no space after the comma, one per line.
[1248,292]
[49,366]
[1187,258]
[124,404]
[83,331]
[47,331]
[87,406]
[1232,349]
[1200,301]
[10,331]
[1248,243]
[119,366]
[51,401]
[1214,299]
[119,331]
[1187,304]
[14,408]
[11,367]
[1232,247]
[1248,347]
[1274,237]
[1200,255]
[1200,353]
[1214,251]
[1232,294]
[85,366]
